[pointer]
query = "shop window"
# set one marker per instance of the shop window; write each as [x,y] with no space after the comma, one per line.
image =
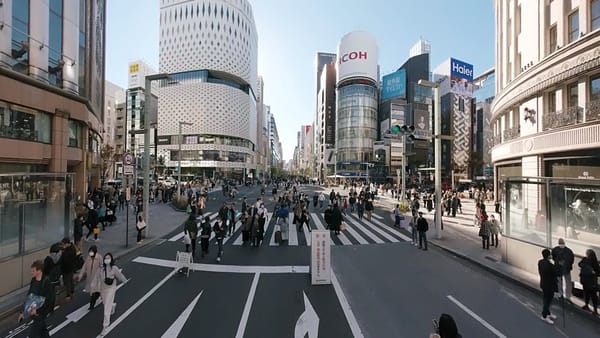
[574,26]
[24,124]
[74,134]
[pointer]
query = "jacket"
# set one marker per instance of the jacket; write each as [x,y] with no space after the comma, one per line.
[548,280]
[68,262]
[89,270]
[220,229]
[564,259]
[422,224]
[191,228]
[104,272]
[43,288]
[205,230]
[589,273]
[484,230]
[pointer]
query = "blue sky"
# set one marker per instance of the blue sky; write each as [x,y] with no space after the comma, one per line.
[291,32]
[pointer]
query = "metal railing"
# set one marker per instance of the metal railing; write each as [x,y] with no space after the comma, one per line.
[512,133]
[563,118]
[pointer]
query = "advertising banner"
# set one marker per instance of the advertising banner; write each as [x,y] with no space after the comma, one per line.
[394,85]
[320,257]
[422,125]
[357,57]
[461,78]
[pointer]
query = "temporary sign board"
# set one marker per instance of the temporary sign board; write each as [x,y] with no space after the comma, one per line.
[320,258]
[128,170]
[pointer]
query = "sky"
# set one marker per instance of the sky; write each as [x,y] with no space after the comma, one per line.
[291,32]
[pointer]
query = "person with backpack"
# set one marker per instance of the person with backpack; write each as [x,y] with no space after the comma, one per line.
[106,280]
[89,270]
[563,259]
[68,265]
[589,273]
[204,235]
[51,268]
[40,301]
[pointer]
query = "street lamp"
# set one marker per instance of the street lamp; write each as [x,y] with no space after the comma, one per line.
[437,116]
[407,132]
[181,123]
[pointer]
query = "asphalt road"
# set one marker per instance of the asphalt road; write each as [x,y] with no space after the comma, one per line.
[392,289]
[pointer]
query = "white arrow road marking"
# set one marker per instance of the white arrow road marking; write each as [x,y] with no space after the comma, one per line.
[244,321]
[139,302]
[76,315]
[308,322]
[177,326]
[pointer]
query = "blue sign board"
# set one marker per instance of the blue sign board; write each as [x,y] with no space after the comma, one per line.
[461,69]
[394,85]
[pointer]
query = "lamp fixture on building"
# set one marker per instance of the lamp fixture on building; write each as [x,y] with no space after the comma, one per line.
[530,115]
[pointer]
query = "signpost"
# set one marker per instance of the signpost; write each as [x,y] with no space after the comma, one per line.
[127,172]
[128,160]
[320,257]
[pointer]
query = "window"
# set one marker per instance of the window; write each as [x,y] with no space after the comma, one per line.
[573,26]
[518,20]
[82,44]
[24,124]
[20,36]
[573,95]
[595,14]
[552,39]
[552,102]
[595,88]
[74,134]
[55,42]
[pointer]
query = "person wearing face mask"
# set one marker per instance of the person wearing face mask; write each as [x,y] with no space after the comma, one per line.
[89,270]
[106,280]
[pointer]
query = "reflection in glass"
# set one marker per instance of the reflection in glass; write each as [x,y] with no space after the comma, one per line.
[25,124]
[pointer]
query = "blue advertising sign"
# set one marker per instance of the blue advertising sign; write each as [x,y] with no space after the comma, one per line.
[394,85]
[461,69]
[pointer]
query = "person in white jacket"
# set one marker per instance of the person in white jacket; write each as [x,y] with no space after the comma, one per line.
[88,271]
[106,280]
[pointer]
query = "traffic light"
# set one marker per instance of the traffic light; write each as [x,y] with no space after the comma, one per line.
[396,129]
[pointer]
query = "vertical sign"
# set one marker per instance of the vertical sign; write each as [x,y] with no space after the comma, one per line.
[320,257]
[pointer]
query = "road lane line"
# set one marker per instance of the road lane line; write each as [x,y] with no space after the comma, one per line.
[379,231]
[181,234]
[244,320]
[226,268]
[175,329]
[137,304]
[293,232]
[474,315]
[354,327]
[366,231]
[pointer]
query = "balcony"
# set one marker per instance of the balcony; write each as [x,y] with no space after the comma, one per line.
[563,118]
[512,133]
[497,140]
[592,111]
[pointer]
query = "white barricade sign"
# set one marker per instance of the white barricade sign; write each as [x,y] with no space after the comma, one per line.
[320,257]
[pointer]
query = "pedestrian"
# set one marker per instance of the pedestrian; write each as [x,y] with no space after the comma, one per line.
[396,213]
[548,275]
[369,208]
[40,301]
[445,327]
[494,230]
[68,264]
[205,235]
[283,214]
[336,219]
[321,200]
[344,206]
[360,208]
[106,280]
[140,226]
[102,216]
[52,268]
[220,229]
[484,232]
[89,270]
[563,259]
[92,224]
[422,228]
[190,229]
[304,220]
[78,231]
[589,273]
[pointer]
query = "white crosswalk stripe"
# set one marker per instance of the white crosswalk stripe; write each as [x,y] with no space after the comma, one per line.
[180,235]
[356,235]
[394,231]
[293,241]
[366,231]
[380,231]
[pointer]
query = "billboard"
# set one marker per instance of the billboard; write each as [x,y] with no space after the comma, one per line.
[394,85]
[357,57]
[422,125]
[461,77]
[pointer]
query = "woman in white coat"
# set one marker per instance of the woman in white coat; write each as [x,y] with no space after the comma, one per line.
[88,271]
[106,281]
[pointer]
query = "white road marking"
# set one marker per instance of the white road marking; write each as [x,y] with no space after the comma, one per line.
[356,331]
[180,235]
[226,268]
[76,315]
[380,231]
[238,225]
[308,322]
[474,315]
[318,222]
[293,232]
[377,216]
[392,230]
[307,236]
[371,235]
[244,320]
[175,329]
[139,302]
[356,235]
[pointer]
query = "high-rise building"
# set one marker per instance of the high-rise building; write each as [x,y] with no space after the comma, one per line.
[324,63]
[483,140]
[357,102]
[261,132]
[113,96]
[275,149]
[51,115]
[546,126]
[421,47]
[210,50]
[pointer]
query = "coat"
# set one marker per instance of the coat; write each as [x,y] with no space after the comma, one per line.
[89,270]
[484,230]
[108,272]
[548,276]
[589,273]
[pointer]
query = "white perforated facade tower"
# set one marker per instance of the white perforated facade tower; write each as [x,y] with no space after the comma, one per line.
[210,50]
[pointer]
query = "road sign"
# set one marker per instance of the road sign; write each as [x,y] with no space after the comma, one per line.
[128,170]
[128,159]
[320,257]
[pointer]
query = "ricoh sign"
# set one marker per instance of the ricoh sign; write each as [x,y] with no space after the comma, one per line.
[357,57]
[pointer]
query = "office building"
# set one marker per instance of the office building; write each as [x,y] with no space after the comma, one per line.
[481,154]
[325,123]
[113,96]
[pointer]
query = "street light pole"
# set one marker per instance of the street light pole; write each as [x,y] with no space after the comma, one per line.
[181,123]
[403,166]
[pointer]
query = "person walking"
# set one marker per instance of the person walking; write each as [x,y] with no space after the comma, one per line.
[360,208]
[140,226]
[369,207]
[88,271]
[231,219]
[422,228]
[589,273]
[396,213]
[547,272]
[484,232]
[220,229]
[205,231]
[78,232]
[106,280]
[40,288]
[563,259]
[102,216]
[52,268]
[445,327]
[304,219]
[68,264]
[336,219]
[190,228]
[321,200]
[494,230]
[92,224]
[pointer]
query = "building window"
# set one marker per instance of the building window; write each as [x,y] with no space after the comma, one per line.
[24,124]
[574,26]
[595,88]
[552,39]
[55,43]
[20,36]
[518,20]
[82,43]
[595,14]
[573,95]
[74,134]
[552,102]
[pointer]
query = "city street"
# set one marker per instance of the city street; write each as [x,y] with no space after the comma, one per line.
[383,287]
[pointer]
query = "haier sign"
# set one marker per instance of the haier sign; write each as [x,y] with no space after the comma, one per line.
[461,69]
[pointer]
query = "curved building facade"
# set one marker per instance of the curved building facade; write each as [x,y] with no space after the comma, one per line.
[210,50]
[356,104]
[546,125]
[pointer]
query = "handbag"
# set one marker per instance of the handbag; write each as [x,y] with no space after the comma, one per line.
[343,227]
[108,281]
[187,240]
[96,231]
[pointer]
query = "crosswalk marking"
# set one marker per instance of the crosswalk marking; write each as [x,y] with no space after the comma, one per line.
[377,216]
[307,235]
[356,235]
[367,232]
[394,231]
[180,235]
[380,231]
[341,236]
[238,225]
[293,240]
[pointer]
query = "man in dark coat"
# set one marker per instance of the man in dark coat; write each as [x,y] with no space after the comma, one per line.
[336,219]
[40,286]
[422,228]
[68,264]
[548,275]
[563,259]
